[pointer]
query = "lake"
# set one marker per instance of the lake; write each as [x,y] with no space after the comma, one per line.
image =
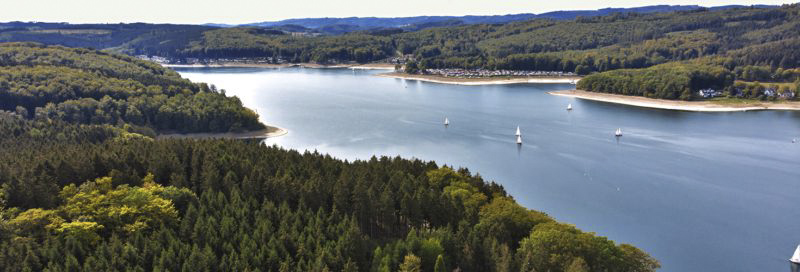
[698,191]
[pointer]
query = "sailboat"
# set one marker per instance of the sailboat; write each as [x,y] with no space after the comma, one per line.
[569,106]
[519,139]
[518,132]
[446,122]
[618,133]
[795,260]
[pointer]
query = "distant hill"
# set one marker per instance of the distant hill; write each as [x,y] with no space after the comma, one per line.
[336,25]
[154,39]
[572,14]
[374,22]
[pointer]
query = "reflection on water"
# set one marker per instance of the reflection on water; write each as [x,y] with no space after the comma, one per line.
[699,191]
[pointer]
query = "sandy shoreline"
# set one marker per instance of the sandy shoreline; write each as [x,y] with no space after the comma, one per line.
[269,132]
[370,66]
[481,81]
[699,106]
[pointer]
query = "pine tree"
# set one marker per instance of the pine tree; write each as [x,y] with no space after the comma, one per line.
[440,266]
[411,263]
[72,264]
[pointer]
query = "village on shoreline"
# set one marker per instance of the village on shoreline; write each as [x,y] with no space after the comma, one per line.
[483,80]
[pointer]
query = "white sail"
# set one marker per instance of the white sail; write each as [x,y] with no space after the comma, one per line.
[796,257]
[446,122]
[518,132]
[519,139]
[618,132]
[569,106]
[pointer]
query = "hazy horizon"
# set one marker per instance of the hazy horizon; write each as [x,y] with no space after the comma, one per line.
[248,11]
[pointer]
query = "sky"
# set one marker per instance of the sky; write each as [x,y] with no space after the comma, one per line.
[249,11]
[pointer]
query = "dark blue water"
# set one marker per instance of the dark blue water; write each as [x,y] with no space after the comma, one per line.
[698,191]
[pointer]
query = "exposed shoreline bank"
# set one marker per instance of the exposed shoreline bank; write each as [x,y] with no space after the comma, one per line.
[370,66]
[482,81]
[697,106]
[269,132]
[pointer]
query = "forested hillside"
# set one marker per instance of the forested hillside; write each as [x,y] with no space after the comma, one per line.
[595,43]
[253,42]
[749,36]
[84,186]
[97,198]
[669,81]
[92,87]
[752,43]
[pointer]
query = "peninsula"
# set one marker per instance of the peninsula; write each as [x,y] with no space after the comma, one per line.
[268,132]
[719,105]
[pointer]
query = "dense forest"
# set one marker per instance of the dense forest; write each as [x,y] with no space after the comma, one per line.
[92,87]
[669,81]
[254,42]
[92,189]
[754,43]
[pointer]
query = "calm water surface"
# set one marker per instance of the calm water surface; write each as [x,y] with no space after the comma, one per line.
[698,191]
